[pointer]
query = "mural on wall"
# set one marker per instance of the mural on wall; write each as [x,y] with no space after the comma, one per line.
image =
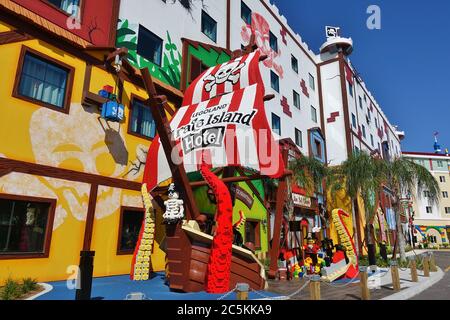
[57,142]
[169,72]
[261,29]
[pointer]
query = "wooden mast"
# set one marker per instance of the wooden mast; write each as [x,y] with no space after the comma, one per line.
[163,128]
[280,200]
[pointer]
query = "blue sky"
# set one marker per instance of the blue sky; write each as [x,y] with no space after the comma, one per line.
[405,64]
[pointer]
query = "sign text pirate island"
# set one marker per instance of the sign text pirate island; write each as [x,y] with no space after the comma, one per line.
[207,127]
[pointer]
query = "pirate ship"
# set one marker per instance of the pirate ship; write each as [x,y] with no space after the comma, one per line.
[222,123]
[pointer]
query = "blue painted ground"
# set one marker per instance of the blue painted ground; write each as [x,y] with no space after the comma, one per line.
[117,288]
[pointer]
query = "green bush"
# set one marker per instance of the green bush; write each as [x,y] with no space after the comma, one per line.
[28,285]
[11,290]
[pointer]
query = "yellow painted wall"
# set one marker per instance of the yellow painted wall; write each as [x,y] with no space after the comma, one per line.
[75,141]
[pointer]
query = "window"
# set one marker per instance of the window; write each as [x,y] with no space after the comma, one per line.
[149,45]
[274,81]
[350,89]
[141,122]
[313,114]
[364,131]
[312,83]
[426,194]
[360,102]
[252,233]
[69,6]
[197,68]
[442,178]
[353,120]
[447,210]
[317,149]
[273,41]
[429,210]
[294,64]
[356,150]
[365,98]
[298,138]
[444,194]
[376,123]
[440,164]
[276,124]
[130,225]
[371,140]
[209,26]
[246,13]
[43,81]
[296,99]
[25,226]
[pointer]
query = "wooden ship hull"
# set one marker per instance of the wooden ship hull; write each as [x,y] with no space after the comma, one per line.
[188,250]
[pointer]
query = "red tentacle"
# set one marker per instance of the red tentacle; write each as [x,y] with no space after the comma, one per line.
[219,265]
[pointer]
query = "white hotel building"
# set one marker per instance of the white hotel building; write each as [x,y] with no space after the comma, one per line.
[320,102]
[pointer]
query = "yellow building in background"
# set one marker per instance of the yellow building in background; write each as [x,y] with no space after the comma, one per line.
[431,220]
[69,179]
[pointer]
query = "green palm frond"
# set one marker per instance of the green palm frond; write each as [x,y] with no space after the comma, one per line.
[309,173]
[406,176]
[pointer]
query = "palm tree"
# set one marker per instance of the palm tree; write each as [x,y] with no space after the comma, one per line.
[309,173]
[362,175]
[404,176]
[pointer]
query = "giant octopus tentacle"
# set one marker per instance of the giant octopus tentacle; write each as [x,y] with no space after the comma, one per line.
[219,265]
[346,241]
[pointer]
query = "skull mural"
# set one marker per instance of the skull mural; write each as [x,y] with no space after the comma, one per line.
[229,72]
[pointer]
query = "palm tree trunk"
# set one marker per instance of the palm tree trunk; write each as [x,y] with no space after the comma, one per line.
[371,250]
[400,237]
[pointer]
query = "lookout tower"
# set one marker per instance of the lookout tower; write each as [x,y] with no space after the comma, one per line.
[336,43]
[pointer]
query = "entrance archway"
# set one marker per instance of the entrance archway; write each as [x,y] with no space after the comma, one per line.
[434,236]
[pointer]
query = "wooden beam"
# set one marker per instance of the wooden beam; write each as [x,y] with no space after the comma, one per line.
[10,165]
[89,227]
[13,36]
[119,52]
[163,128]
[196,184]
[280,200]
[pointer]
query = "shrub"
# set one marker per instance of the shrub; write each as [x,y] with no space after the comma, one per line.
[29,285]
[11,290]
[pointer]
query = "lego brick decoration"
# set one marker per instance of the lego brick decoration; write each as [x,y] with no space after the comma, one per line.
[339,268]
[141,264]
[219,265]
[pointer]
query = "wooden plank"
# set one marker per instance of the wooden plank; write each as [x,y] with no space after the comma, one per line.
[11,165]
[89,227]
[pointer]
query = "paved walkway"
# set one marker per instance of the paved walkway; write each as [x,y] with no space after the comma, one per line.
[441,290]
[338,290]
[380,284]
[118,287]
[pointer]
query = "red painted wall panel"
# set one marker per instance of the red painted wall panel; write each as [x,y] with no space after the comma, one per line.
[98,18]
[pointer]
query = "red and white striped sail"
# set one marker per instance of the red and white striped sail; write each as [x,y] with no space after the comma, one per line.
[225,78]
[223,119]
